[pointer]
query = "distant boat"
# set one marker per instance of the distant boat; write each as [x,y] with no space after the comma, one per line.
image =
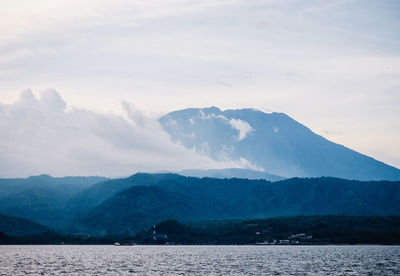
[124,244]
[263,243]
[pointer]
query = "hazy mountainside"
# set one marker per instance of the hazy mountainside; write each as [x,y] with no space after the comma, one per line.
[41,198]
[19,227]
[231,173]
[98,193]
[274,142]
[137,202]
[152,198]
[69,185]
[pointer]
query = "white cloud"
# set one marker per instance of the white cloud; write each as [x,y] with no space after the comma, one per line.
[243,127]
[40,135]
[211,116]
[248,165]
[135,115]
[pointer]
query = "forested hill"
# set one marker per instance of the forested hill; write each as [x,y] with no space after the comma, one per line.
[289,230]
[41,198]
[128,205]
[149,198]
[19,227]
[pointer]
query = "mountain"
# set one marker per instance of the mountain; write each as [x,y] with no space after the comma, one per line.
[98,193]
[139,207]
[270,141]
[231,173]
[18,227]
[137,202]
[41,198]
[154,197]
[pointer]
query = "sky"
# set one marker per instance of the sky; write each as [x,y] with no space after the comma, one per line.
[331,65]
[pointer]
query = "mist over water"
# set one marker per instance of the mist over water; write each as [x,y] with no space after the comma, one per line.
[200,260]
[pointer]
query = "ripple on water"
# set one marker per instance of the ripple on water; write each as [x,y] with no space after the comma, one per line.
[198,260]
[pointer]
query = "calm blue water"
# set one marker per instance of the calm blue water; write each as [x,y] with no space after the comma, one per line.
[200,260]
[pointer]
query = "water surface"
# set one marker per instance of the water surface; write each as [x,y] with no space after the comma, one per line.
[200,260]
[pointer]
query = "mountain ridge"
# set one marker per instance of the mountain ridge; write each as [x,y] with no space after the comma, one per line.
[137,202]
[273,141]
[231,173]
[194,199]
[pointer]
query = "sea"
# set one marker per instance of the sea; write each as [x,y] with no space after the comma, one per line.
[198,260]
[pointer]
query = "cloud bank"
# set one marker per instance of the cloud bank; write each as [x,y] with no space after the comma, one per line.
[44,135]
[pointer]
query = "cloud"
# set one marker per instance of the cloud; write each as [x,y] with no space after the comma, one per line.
[243,127]
[134,114]
[41,135]
[248,165]
[49,101]
[211,116]
[52,100]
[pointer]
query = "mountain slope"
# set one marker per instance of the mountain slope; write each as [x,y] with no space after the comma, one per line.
[194,199]
[41,198]
[98,193]
[138,207]
[19,227]
[274,142]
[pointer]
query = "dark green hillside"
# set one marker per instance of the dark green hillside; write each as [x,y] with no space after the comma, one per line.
[41,198]
[316,230]
[98,193]
[13,226]
[137,208]
[194,199]
[131,204]
[292,230]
